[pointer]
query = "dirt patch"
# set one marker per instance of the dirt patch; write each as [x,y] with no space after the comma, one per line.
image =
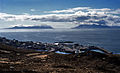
[4,51]
[7,62]
[63,66]
[4,59]
[32,54]
[41,56]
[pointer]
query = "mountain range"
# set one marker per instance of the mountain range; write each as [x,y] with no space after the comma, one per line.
[95,26]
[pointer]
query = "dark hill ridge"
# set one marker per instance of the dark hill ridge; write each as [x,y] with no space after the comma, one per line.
[31,27]
[95,26]
[30,61]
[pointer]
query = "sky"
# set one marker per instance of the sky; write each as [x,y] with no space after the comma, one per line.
[59,13]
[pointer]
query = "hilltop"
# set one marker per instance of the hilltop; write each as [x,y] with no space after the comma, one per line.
[30,61]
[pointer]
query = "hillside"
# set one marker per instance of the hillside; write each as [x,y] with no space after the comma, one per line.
[30,61]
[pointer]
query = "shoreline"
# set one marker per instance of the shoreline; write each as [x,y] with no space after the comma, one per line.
[80,36]
[64,46]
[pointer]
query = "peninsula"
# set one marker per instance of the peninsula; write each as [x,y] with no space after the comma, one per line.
[31,27]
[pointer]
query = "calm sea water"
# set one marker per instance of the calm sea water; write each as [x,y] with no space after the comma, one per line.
[106,38]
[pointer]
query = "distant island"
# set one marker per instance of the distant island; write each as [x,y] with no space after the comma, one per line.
[95,26]
[31,27]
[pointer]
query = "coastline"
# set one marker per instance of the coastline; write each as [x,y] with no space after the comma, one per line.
[64,46]
[80,36]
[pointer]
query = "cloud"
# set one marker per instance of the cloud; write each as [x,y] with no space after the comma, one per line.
[32,10]
[73,10]
[70,10]
[12,17]
[78,16]
[117,11]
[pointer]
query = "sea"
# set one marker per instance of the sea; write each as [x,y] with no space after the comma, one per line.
[108,39]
